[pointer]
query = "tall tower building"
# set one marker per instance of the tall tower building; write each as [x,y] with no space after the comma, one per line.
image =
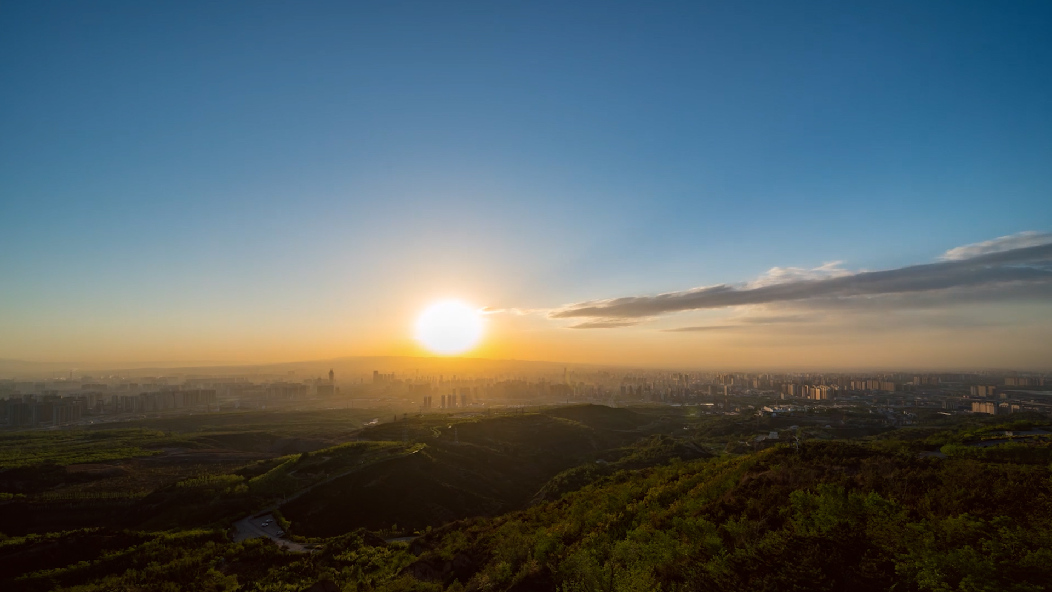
[332,376]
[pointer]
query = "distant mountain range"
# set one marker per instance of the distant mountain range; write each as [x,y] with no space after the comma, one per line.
[346,368]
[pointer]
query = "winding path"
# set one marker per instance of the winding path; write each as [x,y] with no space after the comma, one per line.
[251,527]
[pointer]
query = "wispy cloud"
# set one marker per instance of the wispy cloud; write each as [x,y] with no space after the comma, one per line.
[1029,238]
[702,328]
[775,319]
[607,324]
[783,275]
[992,268]
[746,322]
[935,299]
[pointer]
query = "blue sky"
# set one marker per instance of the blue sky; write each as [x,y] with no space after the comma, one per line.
[255,167]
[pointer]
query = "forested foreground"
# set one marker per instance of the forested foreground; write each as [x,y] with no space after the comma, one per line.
[826,516]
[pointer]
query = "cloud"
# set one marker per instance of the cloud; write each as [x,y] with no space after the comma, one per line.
[1029,238]
[782,275]
[992,272]
[862,321]
[935,299]
[607,324]
[746,322]
[701,328]
[776,319]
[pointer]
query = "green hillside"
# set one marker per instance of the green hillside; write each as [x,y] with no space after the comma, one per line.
[833,516]
[469,467]
[581,499]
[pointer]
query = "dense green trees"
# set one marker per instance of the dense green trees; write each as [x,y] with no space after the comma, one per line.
[835,516]
[828,516]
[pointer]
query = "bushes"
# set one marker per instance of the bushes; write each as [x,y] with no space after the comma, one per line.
[1009,452]
[212,482]
[832,516]
[26,449]
[276,481]
[205,560]
[839,516]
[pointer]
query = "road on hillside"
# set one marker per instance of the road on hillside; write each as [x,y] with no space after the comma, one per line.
[251,527]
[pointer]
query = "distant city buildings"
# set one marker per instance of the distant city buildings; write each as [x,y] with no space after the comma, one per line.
[981,390]
[984,407]
[30,411]
[896,397]
[1024,381]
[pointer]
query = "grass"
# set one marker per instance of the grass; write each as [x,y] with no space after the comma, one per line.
[77,447]
[336,425]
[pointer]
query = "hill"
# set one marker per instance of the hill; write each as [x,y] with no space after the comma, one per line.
[479,466]
[943,507]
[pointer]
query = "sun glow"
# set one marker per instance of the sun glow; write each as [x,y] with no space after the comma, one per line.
[449,327]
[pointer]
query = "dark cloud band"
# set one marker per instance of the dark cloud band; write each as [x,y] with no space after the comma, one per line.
[1028,265]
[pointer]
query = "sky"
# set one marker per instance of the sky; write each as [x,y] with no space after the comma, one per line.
[692,184]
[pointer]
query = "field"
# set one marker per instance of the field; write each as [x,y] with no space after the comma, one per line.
[131,476]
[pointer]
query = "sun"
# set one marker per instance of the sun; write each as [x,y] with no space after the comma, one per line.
[449,327]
